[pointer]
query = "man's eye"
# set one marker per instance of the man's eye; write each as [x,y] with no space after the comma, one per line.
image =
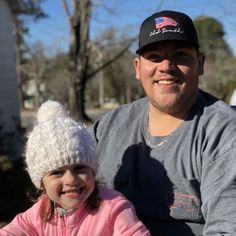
[153,57]
[181,54]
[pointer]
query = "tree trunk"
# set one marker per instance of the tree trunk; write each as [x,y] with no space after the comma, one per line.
[78,56]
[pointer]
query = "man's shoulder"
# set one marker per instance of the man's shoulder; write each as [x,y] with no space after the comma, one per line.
[214,107]
[125,112]
[217,119]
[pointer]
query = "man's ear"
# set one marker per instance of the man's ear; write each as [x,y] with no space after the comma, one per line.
[137,67]
[201,61]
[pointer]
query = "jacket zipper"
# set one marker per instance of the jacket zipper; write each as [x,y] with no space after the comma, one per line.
[63,225]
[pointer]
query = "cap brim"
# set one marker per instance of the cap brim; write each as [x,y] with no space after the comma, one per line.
[138,51]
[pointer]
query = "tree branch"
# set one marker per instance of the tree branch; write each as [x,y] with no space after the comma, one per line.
[113,59]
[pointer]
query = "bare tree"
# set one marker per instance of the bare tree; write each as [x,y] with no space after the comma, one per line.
[78,54]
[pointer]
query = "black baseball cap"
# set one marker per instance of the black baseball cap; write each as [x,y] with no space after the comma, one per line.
[167,25]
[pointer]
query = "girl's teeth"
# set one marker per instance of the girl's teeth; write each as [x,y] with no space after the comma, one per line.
[75,190]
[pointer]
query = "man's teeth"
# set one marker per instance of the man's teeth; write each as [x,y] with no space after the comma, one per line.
[166,81]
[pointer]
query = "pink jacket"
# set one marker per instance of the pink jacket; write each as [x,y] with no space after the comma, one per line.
[116,216]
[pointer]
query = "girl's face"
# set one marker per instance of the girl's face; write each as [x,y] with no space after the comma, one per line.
[69,186]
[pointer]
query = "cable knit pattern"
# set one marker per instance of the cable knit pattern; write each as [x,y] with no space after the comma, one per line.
[56,141]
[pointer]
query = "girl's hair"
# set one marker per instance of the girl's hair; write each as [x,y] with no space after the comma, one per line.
[47,208]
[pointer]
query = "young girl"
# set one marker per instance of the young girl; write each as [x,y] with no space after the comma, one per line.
[62,163]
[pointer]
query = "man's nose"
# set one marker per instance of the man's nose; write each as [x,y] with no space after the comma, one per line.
[166,65]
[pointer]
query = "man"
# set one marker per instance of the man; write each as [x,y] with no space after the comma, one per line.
[173,152]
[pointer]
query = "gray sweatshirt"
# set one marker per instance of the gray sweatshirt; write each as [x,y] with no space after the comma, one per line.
[187,185]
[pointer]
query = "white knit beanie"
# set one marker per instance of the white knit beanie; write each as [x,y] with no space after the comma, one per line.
[57,141]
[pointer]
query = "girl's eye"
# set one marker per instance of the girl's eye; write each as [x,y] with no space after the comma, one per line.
[56,172]
[80,169]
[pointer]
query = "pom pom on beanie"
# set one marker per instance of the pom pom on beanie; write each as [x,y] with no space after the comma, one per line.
[51,110]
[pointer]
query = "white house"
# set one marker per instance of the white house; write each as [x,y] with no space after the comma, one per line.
[232,101]
[9,100]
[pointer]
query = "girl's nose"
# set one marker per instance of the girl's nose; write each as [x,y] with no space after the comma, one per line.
[70,177]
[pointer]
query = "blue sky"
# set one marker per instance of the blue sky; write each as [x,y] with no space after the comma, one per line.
[128,15]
